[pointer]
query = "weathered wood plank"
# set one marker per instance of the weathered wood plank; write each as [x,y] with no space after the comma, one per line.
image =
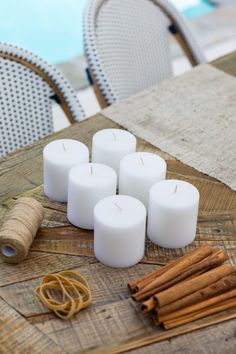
[114,328]
[105,324]
[107,285]
[71,240]
[18,336]
[106,321]
[65,240]
[213,343]
[217,219]
[38,264]
[226,64]
[216,339]
[113,324]
[217,225]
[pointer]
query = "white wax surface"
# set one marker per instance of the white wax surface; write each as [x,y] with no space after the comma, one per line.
[119,231]
[88,183]
[59,157]
[138,172]
[111,145]
[172,213]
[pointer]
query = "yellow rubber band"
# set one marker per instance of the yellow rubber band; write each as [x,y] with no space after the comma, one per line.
[65,293]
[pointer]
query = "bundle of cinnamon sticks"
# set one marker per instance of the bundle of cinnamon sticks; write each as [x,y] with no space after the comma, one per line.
[191,287]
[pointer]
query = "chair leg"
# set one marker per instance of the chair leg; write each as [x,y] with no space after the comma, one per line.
[182,43]
[99,96]
[97,91]
[185,48]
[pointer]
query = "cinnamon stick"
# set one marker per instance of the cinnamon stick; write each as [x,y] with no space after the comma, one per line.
[198,306]
[140,283]
[189,286]
[150,303]
[211,261]
[164,281]
[223,285]
[224,305]
[136,285]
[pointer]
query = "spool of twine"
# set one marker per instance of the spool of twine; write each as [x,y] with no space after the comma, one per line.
[19,229]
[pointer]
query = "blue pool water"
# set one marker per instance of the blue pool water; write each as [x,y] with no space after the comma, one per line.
[203,7]
[50,28]
[53,28]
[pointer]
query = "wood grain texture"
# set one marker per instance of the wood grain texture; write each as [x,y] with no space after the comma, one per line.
[113,317]
[107,286]
[226,64]
[18,336]
[216,223]
[114,328]
[71,240]
[113,324]
[38,264]
[216,339]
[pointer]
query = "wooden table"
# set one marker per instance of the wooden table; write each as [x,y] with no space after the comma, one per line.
[113,324]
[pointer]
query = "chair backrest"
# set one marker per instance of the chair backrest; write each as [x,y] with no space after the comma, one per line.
[126,44]
[28,87]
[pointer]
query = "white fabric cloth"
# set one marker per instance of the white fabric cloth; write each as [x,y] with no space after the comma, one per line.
[192,117]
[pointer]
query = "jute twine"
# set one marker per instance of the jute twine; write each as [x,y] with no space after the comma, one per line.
[19,229]
[65,293]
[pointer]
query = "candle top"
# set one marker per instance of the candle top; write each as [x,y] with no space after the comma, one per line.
[120,211]
[143,164]
[174,193]
[114,139]
[92,175]
[66,151]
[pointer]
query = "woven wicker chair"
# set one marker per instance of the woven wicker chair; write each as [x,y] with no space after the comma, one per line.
[127,48]
[28,87]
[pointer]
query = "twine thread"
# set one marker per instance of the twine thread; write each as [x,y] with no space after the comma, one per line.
[19,229]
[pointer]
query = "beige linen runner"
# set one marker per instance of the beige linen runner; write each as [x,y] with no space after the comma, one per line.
[192,117]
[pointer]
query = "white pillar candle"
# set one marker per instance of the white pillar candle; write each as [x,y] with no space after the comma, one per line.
[172,213]
[88,183]
[139,172]
[59,157]
[119,231]
[111,145]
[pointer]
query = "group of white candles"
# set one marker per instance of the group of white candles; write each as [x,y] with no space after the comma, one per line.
[119,221]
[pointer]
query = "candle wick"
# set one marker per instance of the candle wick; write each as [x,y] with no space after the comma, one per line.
[118,207]
[91,170]
[64,148]
[175,188]
[142,161]
[114,135]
